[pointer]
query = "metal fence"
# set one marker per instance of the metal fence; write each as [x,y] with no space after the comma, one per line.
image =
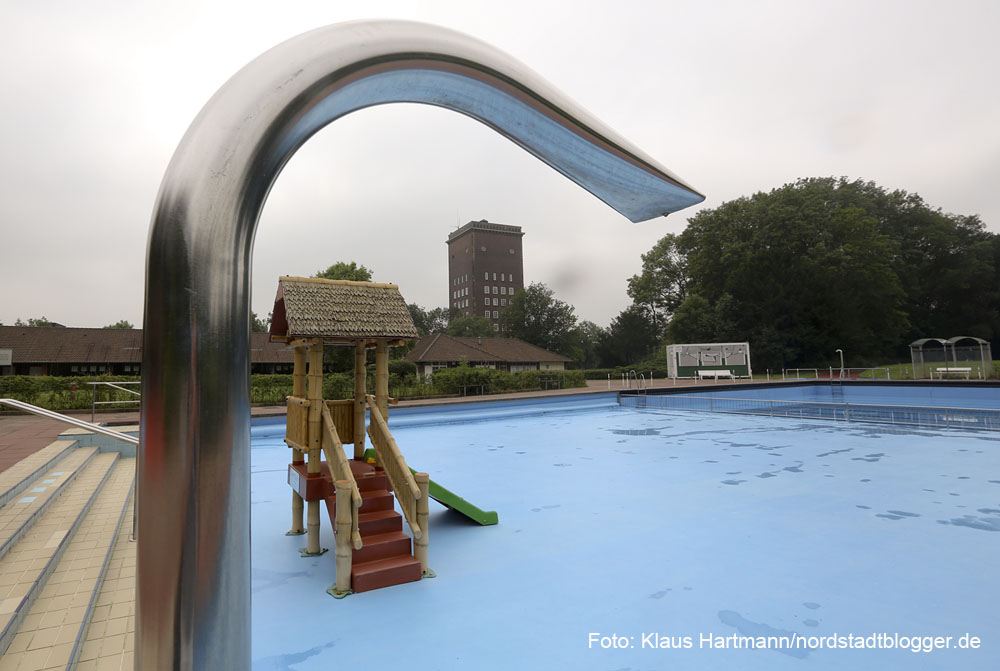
[984,419]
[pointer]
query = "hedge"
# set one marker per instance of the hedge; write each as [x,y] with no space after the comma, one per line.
[73,393]
[65,393]
[452,380]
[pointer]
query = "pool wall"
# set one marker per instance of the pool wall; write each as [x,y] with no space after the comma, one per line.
[947,394]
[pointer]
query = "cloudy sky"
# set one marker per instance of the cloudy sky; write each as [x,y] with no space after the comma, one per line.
[734,97]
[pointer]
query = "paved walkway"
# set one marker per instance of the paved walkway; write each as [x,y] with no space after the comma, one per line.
[23,435]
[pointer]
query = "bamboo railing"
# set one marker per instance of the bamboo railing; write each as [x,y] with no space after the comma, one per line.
[404,486]
[333,449]
[297,428]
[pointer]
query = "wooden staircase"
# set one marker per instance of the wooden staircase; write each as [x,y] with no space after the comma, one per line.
[386,556]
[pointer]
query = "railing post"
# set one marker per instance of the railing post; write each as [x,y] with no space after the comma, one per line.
[420,544]
[382,378]
[315,443]
[299,391]
[359,399]
[93,402]
[343,552]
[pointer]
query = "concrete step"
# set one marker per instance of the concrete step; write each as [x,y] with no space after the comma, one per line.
[21,475]
[27,569]
[88,582]
[21,512]
[113,612]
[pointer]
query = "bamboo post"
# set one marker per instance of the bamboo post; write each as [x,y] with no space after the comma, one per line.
[382,378]
[420,544]
[298,390]
[359,399]
[342,552]
[315,440]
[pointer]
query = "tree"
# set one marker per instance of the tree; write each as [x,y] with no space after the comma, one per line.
[631,336]
[536,316]
[822,264]
[662,285]
[34,322]
[346,271]
[120,324]
[585,343]
[258,325]
[428,322]
[470,326]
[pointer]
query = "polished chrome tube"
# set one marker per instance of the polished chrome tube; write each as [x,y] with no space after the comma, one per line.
[193,594]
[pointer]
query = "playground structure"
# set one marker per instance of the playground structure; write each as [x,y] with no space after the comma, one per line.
[371,549]
[709,360]
[961,356]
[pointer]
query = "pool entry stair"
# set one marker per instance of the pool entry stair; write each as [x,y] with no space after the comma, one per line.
[67,567]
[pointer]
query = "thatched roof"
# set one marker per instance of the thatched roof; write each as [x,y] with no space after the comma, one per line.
[339,311]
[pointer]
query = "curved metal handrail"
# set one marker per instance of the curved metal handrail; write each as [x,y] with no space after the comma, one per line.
[66,419]
[193,591]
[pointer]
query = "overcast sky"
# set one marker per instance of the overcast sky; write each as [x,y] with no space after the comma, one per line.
[734,97]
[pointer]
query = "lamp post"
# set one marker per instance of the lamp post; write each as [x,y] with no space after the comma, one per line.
[841,353]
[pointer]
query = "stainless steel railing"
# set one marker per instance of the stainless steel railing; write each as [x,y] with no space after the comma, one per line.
[89,426]
[113,385]
[193,589]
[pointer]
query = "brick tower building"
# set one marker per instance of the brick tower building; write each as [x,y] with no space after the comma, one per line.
[485,268]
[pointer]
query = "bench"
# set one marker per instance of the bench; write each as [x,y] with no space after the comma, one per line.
[715,374]
[951,371]
[549,382]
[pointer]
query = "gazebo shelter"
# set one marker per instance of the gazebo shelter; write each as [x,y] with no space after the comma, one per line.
[371,549]
[960,355]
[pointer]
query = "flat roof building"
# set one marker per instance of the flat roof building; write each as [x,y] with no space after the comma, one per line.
[485,268]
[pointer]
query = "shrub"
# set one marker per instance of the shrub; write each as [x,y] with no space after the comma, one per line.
[64,393]
[402,367]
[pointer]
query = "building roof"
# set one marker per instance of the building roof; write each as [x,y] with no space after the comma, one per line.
[446,348]
[483,225]
[339,310]
[79,345]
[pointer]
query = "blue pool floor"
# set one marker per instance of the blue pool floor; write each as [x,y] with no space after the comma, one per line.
[622,522]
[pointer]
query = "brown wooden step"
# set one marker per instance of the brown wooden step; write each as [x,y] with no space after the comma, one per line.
[384,573]
[374,481]
[376,499]
[378,522]
[381,546]
[369,523]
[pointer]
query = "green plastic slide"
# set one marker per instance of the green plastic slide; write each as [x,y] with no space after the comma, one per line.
[451,500]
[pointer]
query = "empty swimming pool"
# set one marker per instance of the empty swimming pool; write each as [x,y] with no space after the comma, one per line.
[686,538]
[975,406]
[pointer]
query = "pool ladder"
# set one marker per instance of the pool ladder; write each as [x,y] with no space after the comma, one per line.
[639,379]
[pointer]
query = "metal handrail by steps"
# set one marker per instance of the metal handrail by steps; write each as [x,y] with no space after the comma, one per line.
[81,424]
